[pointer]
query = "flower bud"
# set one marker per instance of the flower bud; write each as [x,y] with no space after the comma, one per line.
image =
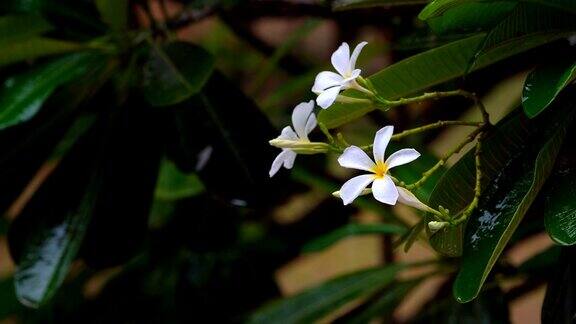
[436,226]
[301,147]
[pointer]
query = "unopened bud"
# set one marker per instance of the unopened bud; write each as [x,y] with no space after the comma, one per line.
[301,147]
[435,226]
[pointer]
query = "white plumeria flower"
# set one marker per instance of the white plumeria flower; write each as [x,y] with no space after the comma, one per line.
[328,84]
[303,121]
[383,187]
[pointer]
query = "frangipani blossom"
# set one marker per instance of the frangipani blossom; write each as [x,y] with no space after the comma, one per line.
[328,84]
[303,121]
[383,187]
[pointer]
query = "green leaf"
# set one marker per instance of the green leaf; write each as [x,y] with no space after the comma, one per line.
[501,209]
[16,27]
[175,72]
[560,205]
[351,230]
[422,71]
[527,24]
[9,304]
[544,83]
[114,13]
[355,4]
[317,302]
[455,189]
[173,184]
[33,48]
[46,237]
[471,17]
[22,96]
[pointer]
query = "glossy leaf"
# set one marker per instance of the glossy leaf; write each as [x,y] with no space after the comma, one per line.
[545,83]
[16,27]
[455,189]
[114,13]
[560,203]
[46,237]
[503,206]
[33,48]
[422,71]
[175,72]
[174,184]
[22,96]
[315,303]
[351,230]
[355,4]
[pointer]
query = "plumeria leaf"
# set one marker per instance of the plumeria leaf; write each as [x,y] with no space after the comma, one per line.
[351,230]
[22,96]
[415,74]
[501,209]
[545,83]
[455,189]
[560,200]
[527,24]
[315,303]
[355,4]
[175,72]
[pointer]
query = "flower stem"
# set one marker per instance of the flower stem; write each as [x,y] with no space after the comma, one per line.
[478,186]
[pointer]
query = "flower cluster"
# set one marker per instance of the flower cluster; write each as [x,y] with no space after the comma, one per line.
[294,140]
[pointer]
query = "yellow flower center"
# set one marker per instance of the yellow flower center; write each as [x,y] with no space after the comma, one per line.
[381,169]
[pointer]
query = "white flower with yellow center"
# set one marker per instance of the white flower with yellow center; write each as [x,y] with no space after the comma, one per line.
[383,187]
[329,84]
[303,121]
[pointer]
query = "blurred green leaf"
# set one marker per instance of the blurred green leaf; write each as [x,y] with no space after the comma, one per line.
[175,72]
[8,301]
[174,184]
[46,237]
[559,303]
[384,303]
[560,206]
[422,71]
[541,263]
[500,211]
[114,13]
[315,303]
[544,83]
[14,27]
[355,4]
[22,96]
[351,230]
[36,47]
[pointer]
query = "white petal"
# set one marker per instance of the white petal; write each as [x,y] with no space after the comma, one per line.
[355,54]
[289,158]
[288,134]
[354,158]
[325,80]
[348,81]
[385,191]
[278,162]
[341,59]
[354,187]
[327,97]
[300,117]
[406,197]
[401,157]
[381,141]
[311,124]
